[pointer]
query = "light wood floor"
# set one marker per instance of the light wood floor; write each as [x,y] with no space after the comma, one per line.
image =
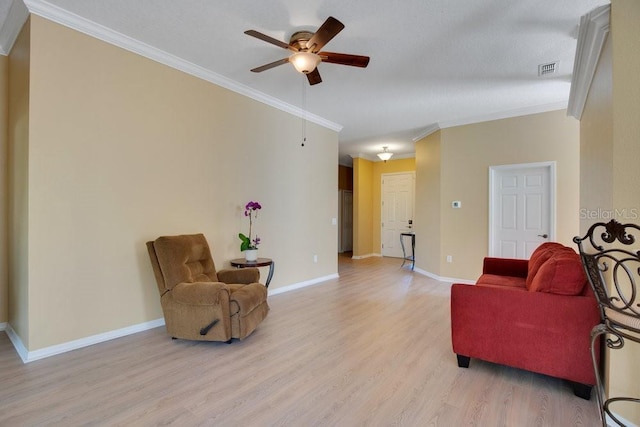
[372,348]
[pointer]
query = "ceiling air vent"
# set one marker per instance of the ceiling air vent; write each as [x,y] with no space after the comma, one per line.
[546,69]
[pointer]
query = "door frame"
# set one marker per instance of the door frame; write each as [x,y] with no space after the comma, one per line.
[493,174]
[413,203]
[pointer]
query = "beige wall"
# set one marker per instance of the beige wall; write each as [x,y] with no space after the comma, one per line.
[625,32]
[362,207]
[428,195]
[596,145]
[18,168]
[4,189]
[467,152]
[610,180]
[122,150]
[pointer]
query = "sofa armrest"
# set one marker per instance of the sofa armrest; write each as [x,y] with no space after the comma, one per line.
[505,266]
[243,276]
[536,331]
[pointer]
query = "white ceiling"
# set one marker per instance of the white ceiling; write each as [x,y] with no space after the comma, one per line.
[434,64]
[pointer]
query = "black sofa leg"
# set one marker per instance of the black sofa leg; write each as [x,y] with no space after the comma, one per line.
[582,390]
[463,361]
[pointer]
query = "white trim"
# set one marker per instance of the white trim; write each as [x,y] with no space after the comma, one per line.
[594,27]
[493,170]
[3,326]
[426,132]
[444,279]
[17,343]
[375,158]
[499,115]
[365,256]
[10,28]
[304,284]
[29,356]
[56,14]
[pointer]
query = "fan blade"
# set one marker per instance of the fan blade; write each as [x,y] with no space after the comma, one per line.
[344,59]
[270,65]
[325,33]
[314,77]
[268,39]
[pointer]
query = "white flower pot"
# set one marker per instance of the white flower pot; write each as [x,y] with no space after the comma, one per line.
[251,254]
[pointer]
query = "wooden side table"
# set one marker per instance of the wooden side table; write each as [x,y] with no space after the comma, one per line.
[260,262]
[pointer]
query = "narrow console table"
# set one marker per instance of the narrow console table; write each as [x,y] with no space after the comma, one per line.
[412,256]
[260,262]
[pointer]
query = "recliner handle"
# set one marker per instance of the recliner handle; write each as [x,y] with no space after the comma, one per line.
[207,328]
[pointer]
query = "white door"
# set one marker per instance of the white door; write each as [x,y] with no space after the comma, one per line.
[397,211]
[521,209]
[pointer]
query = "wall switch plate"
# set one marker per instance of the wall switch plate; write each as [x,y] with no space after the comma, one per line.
[449,258]
[334,221]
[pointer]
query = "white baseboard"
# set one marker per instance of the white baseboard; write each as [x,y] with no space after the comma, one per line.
[444,279]
[29,356]
[365,256]
[303,284]
[17,343]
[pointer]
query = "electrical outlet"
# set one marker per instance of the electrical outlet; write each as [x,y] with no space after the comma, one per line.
[315,258]
[449,258]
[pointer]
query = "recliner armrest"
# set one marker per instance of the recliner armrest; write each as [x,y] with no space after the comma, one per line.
[243,276]
[200,293]
[505,267]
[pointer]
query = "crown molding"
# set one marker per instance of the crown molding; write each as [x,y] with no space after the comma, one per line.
[375,158]
[498,115]
[11,27]
[107,35]
[508,114]
[592,33]
[426,132]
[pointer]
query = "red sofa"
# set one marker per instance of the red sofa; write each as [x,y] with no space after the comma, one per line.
[534,314]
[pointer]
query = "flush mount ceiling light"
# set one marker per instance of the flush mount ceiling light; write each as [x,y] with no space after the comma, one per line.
[385,155]
[305,62]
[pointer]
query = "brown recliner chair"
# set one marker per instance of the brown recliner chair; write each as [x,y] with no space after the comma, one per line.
[199,303]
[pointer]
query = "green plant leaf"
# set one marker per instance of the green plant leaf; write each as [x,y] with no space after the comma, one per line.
[245,242]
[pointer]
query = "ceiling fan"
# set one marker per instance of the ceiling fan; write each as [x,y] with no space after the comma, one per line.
[306,50]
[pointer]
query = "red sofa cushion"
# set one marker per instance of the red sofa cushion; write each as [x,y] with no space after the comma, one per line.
[539,256]
[505,281]
[561,274]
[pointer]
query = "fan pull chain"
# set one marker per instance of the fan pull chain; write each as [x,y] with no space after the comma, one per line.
[304,111]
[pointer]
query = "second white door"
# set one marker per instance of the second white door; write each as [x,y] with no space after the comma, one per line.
[521,209]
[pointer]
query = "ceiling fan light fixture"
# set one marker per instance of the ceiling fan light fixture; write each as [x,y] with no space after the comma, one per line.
[305,62]
[385,155]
